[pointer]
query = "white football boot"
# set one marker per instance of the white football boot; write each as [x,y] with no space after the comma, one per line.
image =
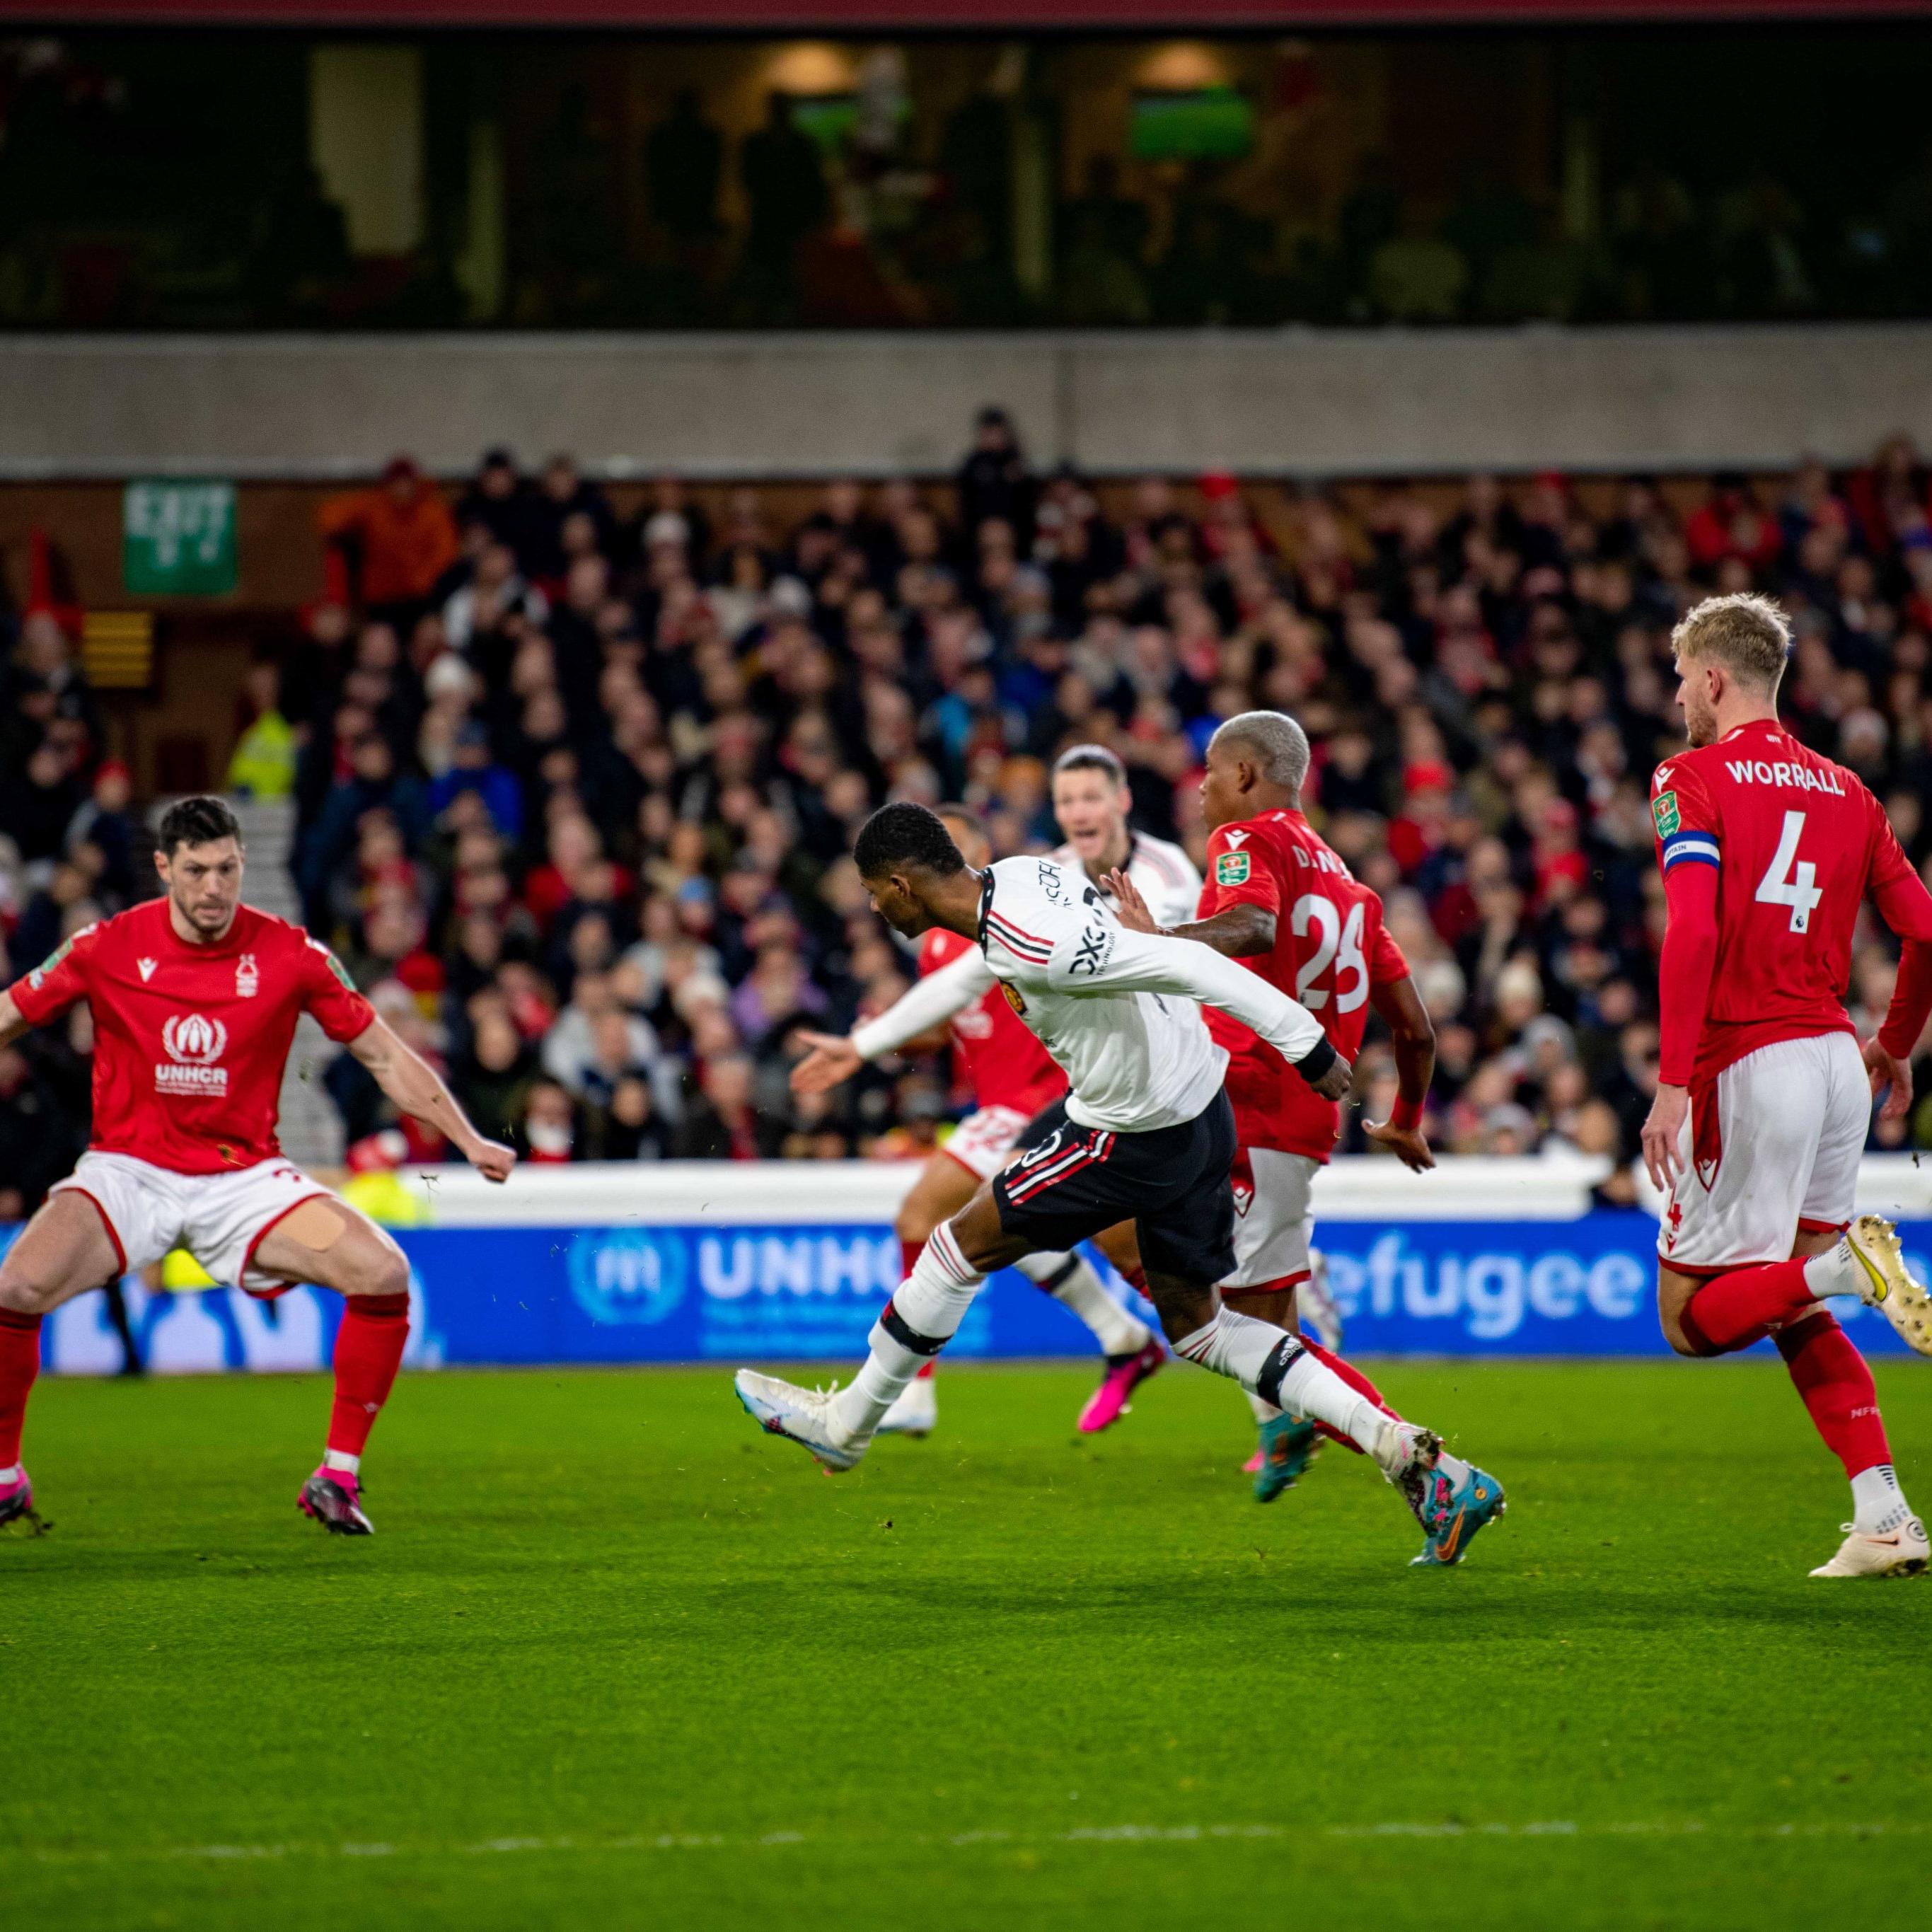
[803,1415]
[915,1412]
[1887,1284]
[1903,1552]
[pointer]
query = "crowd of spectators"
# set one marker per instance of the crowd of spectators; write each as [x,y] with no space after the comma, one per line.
[575,791]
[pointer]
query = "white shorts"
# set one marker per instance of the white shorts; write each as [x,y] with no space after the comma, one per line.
[982,1141]
[1775,1150]
[219,1218]
[1273,1221]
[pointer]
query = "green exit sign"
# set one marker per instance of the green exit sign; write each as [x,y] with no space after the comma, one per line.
[178,538]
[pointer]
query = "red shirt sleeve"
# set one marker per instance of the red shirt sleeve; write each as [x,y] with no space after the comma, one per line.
[1241,871]
[1683,969]
[59,981]
[329,994]
[1684,819]
[1905,906]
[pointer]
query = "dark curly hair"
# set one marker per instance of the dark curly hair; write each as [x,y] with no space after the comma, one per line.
[196,821]
[902,835]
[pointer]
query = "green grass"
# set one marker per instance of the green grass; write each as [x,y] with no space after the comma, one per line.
[612,1655]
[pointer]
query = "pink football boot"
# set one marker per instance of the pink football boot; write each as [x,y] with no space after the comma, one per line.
[1114,1397]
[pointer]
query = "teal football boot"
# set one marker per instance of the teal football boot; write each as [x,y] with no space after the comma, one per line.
[1451,1512]
[1288,1446]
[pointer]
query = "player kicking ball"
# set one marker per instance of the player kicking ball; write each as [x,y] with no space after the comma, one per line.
[195,998]
[1764,1096]
[1145,1133]
[1013,1078]
[1280,899]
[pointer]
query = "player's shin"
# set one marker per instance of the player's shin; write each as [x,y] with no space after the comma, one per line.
[922,1316]
[1072,1282]
[368,1352]
[1833,1380]
[19,1364]
[1268,1362]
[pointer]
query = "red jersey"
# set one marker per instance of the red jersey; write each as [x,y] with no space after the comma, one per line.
[1330,951]
[1796,842]
[190,1041]
[1000,1054]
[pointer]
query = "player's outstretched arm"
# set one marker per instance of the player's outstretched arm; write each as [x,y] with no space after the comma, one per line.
[416,1087]
[1153,963]
[930,1003]
[1235,932]
[1412,1033]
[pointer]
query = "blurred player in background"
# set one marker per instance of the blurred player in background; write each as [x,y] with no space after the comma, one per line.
[1764,1097]
[195,998]
[1013,1077]
[1279,899]
[1091,800]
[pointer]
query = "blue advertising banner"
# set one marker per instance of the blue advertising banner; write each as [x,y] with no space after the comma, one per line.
[525,1296]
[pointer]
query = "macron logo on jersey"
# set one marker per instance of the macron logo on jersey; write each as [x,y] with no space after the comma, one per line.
[193,1043]
[1756,771]
[1237,839]
[147,967]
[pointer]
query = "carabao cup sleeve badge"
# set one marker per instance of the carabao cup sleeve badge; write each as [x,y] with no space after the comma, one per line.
[1231,868]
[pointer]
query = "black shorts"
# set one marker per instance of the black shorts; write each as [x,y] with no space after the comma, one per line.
[1075,1182]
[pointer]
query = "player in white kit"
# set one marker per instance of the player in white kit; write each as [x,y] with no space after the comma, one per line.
[1145,1133]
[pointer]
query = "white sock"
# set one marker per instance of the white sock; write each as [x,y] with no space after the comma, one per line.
[1264,1410]
[1834,1272]
[1878,1504]
[1072,1282]
[1239,1346]
[336,1459]
[929,1306]
[12,1475]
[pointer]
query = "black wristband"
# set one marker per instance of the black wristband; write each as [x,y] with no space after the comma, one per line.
[1316,1061]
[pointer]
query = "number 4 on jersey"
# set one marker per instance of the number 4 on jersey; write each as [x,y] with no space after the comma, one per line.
[1788,882]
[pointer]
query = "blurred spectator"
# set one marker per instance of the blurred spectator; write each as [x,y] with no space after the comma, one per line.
[395,541]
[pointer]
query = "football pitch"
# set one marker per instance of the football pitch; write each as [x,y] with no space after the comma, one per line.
[612,1657]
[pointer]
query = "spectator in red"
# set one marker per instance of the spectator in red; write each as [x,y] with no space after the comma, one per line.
[404,538]
[1418,829]
[1730,525]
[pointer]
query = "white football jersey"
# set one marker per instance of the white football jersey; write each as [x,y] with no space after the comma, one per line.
[1163,874]
[1119,1011]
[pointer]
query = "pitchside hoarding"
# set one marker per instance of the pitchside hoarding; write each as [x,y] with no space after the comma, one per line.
[526,1296]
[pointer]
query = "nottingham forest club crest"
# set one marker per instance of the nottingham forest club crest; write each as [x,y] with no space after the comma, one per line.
[247,978]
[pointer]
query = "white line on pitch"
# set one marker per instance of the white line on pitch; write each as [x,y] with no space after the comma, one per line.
[1084,1834]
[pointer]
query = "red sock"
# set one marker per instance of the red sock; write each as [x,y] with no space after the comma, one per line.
[1832,1379]
[1735,1310]
[1356,1380]
[368,1351]
[19,1363]
[1135,1278]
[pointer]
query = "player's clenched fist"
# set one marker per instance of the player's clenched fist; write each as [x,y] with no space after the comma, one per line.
[1333,1083]
[493,1159]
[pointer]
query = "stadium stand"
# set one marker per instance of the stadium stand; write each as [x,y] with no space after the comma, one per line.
[572,792]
